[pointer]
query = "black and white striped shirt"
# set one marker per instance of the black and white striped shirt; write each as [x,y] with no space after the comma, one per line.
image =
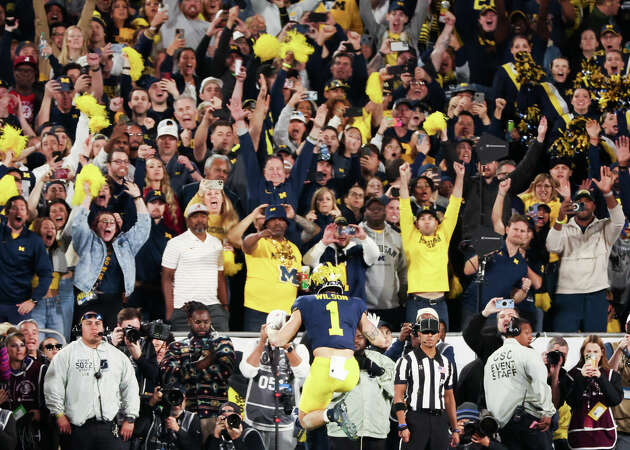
[425,378]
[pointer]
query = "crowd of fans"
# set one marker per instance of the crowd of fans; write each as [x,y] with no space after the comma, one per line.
[442,154]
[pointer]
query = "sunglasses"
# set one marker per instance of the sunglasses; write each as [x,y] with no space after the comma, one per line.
[53,346]
[92,315]
[429,332]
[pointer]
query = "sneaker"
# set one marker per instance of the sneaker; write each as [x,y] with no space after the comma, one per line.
[339,415]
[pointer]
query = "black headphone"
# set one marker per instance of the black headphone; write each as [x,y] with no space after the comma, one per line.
[514,327]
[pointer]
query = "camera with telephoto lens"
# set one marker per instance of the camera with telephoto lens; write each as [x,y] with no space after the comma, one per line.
[285,392]
[152,330]
[486,426]
[554,357]
[233,421]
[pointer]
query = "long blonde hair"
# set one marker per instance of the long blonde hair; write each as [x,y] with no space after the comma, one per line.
[531,190]
[165,187]
[318,193]
[64,57]
[228,214]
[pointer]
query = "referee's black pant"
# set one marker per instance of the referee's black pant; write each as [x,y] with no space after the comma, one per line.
[363,443]
[91,435]
[429,431]
[519,436]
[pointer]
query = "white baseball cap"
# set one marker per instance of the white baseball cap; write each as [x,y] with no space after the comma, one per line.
[297,115]
[196,208]
[167,127]
[237,35]
[430,311]
[207,80]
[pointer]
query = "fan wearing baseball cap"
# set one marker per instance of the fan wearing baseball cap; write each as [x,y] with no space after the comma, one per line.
[273,263]
[585,243]
[425,243]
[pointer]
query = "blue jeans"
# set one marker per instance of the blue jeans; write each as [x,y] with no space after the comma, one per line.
[48,314]
[416,302]
[9,313]
[570,309]
[253,319]
[66,302]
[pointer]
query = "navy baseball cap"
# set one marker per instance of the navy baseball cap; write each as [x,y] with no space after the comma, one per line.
[275,212]
[65,82]
[154,194]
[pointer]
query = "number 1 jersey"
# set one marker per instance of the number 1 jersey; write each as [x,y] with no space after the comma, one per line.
[330,320]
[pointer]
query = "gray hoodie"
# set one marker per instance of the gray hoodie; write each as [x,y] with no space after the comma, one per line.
[386,279]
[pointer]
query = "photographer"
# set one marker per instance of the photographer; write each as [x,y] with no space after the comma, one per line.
[231,433]
[127,337]
[620,361]
[266,367]
[478,428]
[560,382]
[164,422]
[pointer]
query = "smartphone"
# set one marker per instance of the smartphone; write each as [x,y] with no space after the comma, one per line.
[219,12]
[180,32]
[505,303]
[365,152]
[238,63]
[397,70]
[9,21]
[395,192]
[398,46]
[397,122]
[57,155]
[61,174]
[348,47]
[215,102]
[117,48]
[85,70]
[302,28]
[346,230]
[288,84]
[324,151]
[317,17]
[479,97]
[353,112]
[533,210]
[311,95]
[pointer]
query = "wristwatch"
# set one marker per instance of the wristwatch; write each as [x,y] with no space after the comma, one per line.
[290,348]
[130,419]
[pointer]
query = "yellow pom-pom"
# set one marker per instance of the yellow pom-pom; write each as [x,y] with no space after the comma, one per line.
[373,88]
[12,140]
[543,301]
[8,189]
[229,266]
[434,123]
[97,123]
[92,175]
[136,62]
[296,43]
[267,47]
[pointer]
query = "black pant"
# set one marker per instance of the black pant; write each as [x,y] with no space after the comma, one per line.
[92,436]
[428,432]
[519,435]
[363,443]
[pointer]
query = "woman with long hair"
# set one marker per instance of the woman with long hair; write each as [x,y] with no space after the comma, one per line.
[25,371]
[157,178]
[74,46]
[323,212]
[120,28]
[543,189]
[595,390]
[221,218]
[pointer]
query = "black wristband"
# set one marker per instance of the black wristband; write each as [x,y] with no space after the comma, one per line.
[97,69]
[136,198]
[399,406]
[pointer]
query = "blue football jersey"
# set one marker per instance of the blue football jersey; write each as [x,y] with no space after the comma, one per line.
[330,320]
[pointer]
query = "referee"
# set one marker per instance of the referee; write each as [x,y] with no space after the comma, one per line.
[425,407]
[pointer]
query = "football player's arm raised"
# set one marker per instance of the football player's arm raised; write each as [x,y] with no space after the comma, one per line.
[372,333]
[281,337]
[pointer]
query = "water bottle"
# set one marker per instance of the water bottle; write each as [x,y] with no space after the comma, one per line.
[42,45]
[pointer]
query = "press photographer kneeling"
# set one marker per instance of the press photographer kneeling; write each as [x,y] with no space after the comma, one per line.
[134,339]
[231,433]
[164,424]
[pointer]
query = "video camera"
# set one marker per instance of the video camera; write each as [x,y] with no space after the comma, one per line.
[486,426]
[152,330]
[554,357]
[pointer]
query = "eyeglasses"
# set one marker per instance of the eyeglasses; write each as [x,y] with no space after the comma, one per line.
[107,221]
[121,161]
[53,346]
